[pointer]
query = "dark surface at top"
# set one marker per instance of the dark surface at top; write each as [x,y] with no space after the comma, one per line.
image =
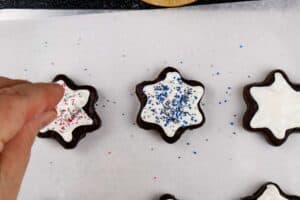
[88,4]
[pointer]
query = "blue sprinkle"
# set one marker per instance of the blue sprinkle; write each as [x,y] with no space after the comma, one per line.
[165,87]
[231,123]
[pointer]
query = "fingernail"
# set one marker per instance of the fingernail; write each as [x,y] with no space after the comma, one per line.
[46,118]
[61,90]
[60,87]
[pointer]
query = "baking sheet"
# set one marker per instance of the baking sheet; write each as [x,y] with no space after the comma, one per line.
[222,48]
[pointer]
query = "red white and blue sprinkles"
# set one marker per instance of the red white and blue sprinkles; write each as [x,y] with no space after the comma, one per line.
[172,104]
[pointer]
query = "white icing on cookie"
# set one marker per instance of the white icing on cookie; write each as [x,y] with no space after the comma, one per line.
[172,104]
[271,193]
[70,113]
[278,107]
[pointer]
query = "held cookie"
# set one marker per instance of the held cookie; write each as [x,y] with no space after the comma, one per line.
[167,197]
[170,104]
[270,191]
[273,107]
[76,114]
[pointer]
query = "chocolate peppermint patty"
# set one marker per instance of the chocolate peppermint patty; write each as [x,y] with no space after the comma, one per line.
[270,191]
[273,107]
[167,197]
[170,104]
[76,115]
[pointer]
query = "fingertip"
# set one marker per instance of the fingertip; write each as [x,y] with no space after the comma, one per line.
[60,90]
[46,118]
[42,120]
[54,94]
[45,95]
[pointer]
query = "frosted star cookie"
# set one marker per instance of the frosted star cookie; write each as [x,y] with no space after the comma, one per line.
[273,107]
[76,114]
[270,191]
[170,104]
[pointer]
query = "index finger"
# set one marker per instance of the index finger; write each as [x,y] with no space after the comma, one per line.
[22,102]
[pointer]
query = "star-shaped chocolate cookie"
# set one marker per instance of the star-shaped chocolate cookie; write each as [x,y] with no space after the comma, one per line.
[167,197]
[273,107]
[270,191]
[170,104]
[76,114]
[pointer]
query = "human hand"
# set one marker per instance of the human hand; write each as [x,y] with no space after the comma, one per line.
[25,108]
